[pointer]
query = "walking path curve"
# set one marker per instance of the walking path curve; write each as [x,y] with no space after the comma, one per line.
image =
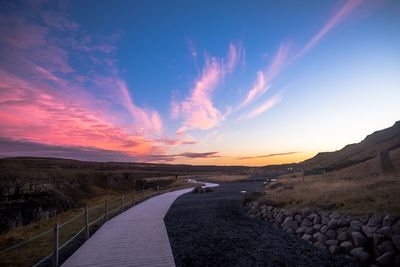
[136,237]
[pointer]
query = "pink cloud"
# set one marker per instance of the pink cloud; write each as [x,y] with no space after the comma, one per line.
[198,109]
[336,19]
[264,79]
[267,105]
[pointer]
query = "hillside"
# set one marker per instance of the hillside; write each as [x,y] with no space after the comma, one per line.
[378,153]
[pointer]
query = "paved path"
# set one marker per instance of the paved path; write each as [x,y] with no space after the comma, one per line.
[137,237]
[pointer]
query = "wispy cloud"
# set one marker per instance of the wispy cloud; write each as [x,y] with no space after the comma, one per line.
[268,155]
[198,109]
[267,105]
[265,78]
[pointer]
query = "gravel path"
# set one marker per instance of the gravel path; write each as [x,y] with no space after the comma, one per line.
[213,229]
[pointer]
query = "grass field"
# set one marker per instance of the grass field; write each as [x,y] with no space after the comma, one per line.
[345,194]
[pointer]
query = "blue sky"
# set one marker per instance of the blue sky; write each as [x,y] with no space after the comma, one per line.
[196,82]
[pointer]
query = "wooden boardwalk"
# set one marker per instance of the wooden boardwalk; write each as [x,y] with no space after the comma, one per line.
[136,237]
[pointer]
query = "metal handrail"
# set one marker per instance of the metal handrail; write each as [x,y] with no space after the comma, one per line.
[96,207]
[98,219]
[43,260]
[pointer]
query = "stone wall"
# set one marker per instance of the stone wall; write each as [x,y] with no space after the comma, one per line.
[371,239]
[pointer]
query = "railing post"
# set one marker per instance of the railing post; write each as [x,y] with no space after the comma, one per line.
[122,203]
[86,223]
[133,198]
[55,246]
[142,195]
[106,210]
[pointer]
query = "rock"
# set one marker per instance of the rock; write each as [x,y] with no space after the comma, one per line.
[321,238]
[298,218]
[346,246]
[342,222]
[386,231]
[360,254]
[396,241]
[334,249]
[358,239]
[343,236]
[301,230]
[386,259]
[396,227]
[335,215]
[319,245]
[330,234]
[386,246]
[307,237]
[377,239]
[309,230]
[331,242]
[287,220]
[368,230]
[325,220]
[364,219]
[292,225]
[341,230]
[305,212]
[323,229]
[317,219]
[306,222]
[388,220]
[356,226]
[375,220]
[317,227]
[332,224]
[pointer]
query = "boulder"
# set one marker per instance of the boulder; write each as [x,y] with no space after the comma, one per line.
[306,222]
[375,220]
[346,246]
[319,245]
[317,227]
[330,234]
[332,242]
[360,254]
[334,249]
[396,241]
[305,212]
[335,215]
[343,236]
[287,220]
[388,220]
[292,225]
[298,218]
[317,219]
[323,229]
[386,231]
[310,230]
[368,230]
[386,259]
[321,238]
[359,239]
[301,230]
[355,226]
[396,227]
[307,237]
[377,239]
[332,224]
[386,246]
[325,220]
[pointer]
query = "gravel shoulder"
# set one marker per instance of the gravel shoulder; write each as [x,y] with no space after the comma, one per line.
[213,229]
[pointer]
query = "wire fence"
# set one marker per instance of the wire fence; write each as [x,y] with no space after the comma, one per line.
[53,246]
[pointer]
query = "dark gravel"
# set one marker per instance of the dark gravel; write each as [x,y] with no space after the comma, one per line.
[213,229]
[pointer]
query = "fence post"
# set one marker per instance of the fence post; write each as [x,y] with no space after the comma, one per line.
[86,223]
[106,210]
[142,195]
[122,203]
[133,198]
[55,246]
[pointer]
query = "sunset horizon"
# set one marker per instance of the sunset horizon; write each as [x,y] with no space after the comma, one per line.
[196,83]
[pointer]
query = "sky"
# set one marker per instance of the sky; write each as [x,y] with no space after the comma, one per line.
[196,82]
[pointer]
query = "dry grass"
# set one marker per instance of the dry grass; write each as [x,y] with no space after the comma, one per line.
[345,194]
[34,251]
[226,178]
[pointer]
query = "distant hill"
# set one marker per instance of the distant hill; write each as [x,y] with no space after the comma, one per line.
[378,153]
